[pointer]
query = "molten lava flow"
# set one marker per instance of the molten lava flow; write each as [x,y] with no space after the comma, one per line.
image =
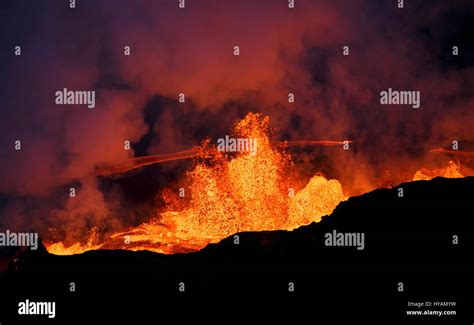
[452,170]
[202,152]
[313,143]
[247,192]
[230,193]
[110,169]
[58,248]
[314,200]
[453,152]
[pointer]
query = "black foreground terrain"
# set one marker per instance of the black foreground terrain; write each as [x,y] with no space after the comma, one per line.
[279,274]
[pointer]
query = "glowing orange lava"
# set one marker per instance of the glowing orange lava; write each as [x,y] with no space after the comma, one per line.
[452,170]
[245,192]
[231,193]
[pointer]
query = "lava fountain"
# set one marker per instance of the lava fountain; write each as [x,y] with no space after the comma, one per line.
[229,194]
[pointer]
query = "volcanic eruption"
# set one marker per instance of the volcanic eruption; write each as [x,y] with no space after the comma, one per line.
[227,195]
[230,193]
